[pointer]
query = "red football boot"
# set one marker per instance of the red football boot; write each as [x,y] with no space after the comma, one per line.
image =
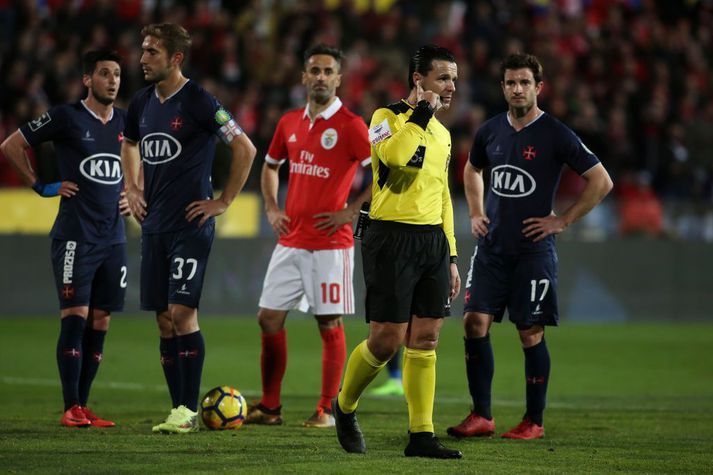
[95,420]
[74,417]
[473,426]
[525,430]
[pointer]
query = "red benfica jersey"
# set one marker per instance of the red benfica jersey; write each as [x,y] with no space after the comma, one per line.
[323,156]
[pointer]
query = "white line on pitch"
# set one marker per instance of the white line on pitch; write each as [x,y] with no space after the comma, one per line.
[20,381]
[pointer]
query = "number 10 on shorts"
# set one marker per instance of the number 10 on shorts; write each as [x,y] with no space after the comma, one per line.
[331,293]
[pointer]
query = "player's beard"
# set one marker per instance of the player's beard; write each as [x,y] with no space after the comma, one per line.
[155,76]
[321,96]
[103,100]
[521,109]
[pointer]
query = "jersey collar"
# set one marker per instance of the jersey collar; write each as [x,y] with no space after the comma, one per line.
[507,114]
[326,113]
[155,91]
[111,116]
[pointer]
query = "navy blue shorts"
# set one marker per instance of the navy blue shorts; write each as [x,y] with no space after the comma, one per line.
[406,270]
[92,275]
[525,285]
[173,267]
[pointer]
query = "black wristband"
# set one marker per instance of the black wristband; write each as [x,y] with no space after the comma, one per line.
[422,114]
[425,103]
[454,259]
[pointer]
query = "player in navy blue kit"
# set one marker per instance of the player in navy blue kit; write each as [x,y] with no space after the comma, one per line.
[170,135]
[88,237]
[514,265]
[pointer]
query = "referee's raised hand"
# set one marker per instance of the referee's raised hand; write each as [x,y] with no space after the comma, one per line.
[430,96]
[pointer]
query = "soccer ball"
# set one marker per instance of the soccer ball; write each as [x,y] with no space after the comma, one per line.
[223,408]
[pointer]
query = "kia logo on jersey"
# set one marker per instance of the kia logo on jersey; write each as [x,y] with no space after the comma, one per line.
[159,147]
[104,168]
[511,181]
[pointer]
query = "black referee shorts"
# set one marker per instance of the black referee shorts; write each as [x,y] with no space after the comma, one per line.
[406,270]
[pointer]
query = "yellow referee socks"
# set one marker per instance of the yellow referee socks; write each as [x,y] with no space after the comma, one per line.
[419,380]
[362,368]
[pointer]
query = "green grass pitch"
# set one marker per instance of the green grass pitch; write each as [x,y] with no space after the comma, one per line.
[622,398]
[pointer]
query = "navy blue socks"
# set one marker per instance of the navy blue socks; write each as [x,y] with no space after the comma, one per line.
[537,374]
[171,369]
[69,357]
[191,353]
[92,353]
[480,367]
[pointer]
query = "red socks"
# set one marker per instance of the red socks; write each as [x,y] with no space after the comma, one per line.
[273,361]
[334,354]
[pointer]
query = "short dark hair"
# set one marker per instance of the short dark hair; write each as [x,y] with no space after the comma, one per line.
[174,37]
[422,60]
[521,61]
[91,58]
[321,48]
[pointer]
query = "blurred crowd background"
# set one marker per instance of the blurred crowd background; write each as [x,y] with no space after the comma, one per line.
[631,77]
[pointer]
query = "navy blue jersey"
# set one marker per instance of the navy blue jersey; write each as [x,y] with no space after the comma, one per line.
[88,153]
[524,171]
[177,145]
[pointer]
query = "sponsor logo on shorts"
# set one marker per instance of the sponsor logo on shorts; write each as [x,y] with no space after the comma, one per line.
[183,290]
[68,265]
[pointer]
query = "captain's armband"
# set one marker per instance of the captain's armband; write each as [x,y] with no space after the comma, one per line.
[229,129]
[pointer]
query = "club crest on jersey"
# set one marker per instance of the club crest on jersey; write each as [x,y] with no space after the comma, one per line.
[511,182]
[329,139]
[529,152]
[103,168]
[159,147]
[41,121]
[177,123]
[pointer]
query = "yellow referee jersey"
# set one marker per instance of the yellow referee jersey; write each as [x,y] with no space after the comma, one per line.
[410,168]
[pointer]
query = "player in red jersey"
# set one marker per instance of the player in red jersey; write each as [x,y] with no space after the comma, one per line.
[311,266]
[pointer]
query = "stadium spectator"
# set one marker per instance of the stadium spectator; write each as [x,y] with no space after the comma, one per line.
[88,236]
[626,54]
[514,265]
[409,253]
[312,265]
[169,191]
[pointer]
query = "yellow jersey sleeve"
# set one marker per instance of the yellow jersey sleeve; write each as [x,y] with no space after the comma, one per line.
[410,169]
[393,139]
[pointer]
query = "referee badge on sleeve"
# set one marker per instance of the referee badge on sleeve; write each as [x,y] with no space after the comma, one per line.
[380,132]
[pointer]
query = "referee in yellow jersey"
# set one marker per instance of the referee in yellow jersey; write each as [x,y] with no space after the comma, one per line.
[408,251]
